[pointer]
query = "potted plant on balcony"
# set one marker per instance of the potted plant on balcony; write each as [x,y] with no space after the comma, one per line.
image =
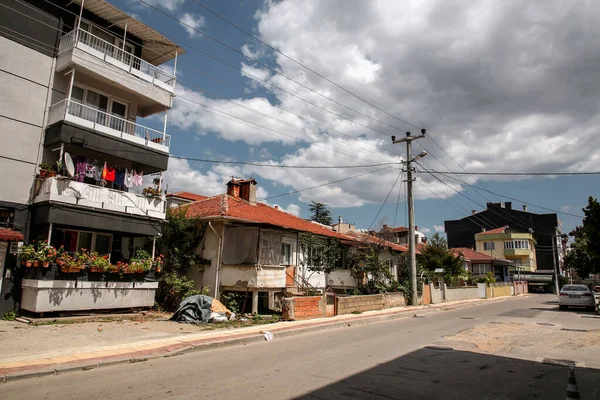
[141,262]
[47,254]
[151,192]
[158,263]
[46,170]
[100,264]
[28,254]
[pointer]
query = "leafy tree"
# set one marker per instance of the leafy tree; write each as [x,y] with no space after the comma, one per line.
[179,239]
[437,255]
[584,256]
[318,254]
[320,213]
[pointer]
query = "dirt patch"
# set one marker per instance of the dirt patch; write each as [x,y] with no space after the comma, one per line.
[516,338]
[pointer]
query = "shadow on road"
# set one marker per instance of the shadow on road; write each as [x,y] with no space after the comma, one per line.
[451,374]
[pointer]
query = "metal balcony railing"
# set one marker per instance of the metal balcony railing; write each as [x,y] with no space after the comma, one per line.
[93,118]
[118,57]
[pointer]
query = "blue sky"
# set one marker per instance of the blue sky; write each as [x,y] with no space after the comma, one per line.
[493,85]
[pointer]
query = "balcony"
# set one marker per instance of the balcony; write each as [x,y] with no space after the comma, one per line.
[89,117]
[116,66]
[64,190]
[271,276]
[516,252]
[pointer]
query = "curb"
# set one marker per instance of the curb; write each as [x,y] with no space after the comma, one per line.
[242,339]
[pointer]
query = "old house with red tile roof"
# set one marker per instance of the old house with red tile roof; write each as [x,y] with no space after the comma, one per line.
[252,247]
[479,264]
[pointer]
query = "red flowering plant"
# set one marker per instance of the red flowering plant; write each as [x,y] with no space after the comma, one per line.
[159,261]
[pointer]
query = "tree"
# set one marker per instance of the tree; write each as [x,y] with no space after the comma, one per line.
[437,255]
[179,239]
[320,213]
[319,254]
[584,256]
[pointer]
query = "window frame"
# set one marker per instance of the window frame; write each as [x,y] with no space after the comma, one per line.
[109,104]
[285,244]
[93,240]
[489,246]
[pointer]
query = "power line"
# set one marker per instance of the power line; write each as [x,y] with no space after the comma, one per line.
[269,68]
[398,201]
[386,199]
[282,165]
[522,201]
[326,184]
[303,66]
[514,173]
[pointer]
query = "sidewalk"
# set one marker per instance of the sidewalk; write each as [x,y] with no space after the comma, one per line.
[30,351]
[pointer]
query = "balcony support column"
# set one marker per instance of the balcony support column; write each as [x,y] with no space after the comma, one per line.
[124,37]
[153,246]
[79,21]
[165,127]
[70,89]
[49,233]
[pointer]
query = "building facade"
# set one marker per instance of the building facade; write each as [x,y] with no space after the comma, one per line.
[546,230]
[78,78]
[506,243]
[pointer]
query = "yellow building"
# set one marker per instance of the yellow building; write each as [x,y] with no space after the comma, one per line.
[506,243]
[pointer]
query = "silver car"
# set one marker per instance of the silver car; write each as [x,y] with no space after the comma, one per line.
[576,296]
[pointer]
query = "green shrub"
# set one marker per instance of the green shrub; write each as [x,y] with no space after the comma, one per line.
[9,316]
[234,301]
[173,289]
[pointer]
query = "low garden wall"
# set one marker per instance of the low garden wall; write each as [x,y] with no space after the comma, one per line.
[394,300]
[437,295]
[354,304]
[498,290]
[303,307]
[462,293]
[520,287]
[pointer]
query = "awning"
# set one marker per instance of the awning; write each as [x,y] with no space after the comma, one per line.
[157,49]
[9,235]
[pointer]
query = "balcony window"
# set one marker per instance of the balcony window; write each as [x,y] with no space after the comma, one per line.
[74,240]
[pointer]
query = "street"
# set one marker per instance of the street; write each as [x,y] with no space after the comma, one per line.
[484,351]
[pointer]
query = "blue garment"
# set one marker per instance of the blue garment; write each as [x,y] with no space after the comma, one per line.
[120,177]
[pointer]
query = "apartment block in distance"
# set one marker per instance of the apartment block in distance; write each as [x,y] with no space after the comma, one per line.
[78,79]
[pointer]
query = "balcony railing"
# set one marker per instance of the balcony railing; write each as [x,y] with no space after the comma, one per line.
[116,56]
[90,117]
[65,190]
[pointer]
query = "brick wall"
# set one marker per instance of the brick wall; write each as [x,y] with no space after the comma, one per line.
[304,307]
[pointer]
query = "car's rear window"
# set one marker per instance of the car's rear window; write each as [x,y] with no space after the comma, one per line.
[573,288]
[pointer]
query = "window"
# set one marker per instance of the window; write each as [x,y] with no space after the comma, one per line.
[286,254]
[481,269]
[74,241]
[489,246]
[516,244]
[93,106]
[517,261]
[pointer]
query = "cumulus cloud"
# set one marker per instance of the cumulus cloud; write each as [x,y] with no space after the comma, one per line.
[439,228]
[501,86]
[191,22]
[425,230]
[171,5]
[292,208]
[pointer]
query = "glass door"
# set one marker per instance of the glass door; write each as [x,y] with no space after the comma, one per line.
[118,110]
[98,102]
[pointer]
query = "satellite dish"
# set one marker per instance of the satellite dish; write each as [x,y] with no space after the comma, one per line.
[69,165]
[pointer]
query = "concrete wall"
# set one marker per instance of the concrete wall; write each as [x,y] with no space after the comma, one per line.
[24,80]
[437,295]
[299,308]
[341,278]
[48,296]
[496,290]
[209,250]
[457,294]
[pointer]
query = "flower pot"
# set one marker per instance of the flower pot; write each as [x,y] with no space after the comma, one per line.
[65,269]
[158,269]
[51,174]
[43,173]
[28,263]
[23,262]
[96,269]
[36,263]
[46,264]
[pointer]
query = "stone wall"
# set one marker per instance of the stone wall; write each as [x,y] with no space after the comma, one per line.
[394,300]
[498,290]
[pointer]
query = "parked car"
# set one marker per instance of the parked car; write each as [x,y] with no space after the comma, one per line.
[576,296]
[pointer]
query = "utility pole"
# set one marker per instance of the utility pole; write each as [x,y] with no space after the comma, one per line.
[411,209]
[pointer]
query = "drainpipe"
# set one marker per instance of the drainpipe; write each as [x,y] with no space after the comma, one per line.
[219,253]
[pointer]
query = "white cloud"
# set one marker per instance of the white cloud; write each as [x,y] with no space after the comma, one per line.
[439,228]
[171,5]
[192,22]
[565,208]
[425,230]
[292,208]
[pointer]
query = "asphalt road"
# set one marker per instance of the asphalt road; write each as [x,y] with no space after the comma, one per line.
[385,360]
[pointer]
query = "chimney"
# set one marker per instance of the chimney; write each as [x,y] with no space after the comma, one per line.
[277,207]
[233,188]
[508,205]
[525,207]
[473,212]
[244,189]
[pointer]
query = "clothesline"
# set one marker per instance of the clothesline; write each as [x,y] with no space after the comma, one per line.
[105,173]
